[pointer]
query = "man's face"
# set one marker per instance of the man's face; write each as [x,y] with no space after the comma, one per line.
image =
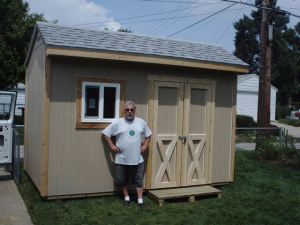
[129,112]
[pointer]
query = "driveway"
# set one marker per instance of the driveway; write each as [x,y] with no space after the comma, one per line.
[293,131]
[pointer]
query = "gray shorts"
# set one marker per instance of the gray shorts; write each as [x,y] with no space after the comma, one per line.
[126,174]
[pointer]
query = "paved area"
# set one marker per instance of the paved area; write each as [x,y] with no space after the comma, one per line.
[293,131]
[12,208]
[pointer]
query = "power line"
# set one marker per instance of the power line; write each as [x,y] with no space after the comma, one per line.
[170,1]
[281,11]
[202,20]
[162,26]
[142,16]
[227,28]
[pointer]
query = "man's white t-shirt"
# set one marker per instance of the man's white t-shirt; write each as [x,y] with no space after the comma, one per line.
[129,137]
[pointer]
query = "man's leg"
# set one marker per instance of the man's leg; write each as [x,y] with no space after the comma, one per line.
[122,180]
[125,193]
[139,182]
[139,191]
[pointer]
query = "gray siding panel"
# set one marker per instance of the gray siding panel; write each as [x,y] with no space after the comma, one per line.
[35,79]
[79,162]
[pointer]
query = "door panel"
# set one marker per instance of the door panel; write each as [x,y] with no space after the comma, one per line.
[181,134]
[196,128]
[167,125]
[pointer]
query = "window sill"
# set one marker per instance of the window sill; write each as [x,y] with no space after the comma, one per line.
[90,125]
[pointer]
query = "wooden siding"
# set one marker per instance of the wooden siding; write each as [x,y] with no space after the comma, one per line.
[35,80]
[79,161]
[222,157]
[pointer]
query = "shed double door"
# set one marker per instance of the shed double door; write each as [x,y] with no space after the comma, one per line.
[182,114]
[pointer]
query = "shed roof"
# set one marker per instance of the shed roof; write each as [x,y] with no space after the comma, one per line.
[109,41]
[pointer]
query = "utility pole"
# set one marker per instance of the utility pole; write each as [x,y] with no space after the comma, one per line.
[263,111]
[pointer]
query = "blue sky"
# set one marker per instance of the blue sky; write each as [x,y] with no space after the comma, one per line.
[159,18]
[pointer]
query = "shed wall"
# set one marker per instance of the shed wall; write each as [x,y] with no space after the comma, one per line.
[35,80]
[78,160]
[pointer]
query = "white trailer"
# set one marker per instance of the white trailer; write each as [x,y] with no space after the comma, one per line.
[7,110]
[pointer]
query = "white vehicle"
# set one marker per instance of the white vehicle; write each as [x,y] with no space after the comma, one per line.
[7,109]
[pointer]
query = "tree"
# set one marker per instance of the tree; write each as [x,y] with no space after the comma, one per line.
[285,50]
[16,27]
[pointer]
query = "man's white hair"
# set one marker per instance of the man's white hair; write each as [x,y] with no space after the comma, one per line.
[129,103]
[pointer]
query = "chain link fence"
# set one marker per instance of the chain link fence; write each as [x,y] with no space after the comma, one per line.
[246,137]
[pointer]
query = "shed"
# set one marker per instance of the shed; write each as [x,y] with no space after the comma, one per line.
[247,96]
[76,83]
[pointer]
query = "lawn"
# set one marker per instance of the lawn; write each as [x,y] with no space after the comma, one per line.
[262,193]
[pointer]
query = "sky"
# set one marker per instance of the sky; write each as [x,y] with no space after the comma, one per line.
[203,21]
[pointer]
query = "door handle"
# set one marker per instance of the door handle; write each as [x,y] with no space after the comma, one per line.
[183,139]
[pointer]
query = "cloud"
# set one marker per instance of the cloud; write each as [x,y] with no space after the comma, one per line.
[74,13]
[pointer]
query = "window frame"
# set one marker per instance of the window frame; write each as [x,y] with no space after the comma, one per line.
[100,118]
[97,122]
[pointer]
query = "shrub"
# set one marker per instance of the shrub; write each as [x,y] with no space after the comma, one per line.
[295,123]
[245,121]
[283,153]
[282,111]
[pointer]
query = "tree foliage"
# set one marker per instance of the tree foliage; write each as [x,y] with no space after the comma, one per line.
[16,26]
[285,50]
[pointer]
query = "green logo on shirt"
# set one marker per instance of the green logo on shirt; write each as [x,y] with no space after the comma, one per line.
[131,133]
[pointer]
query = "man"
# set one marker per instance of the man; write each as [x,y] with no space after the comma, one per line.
[132,139]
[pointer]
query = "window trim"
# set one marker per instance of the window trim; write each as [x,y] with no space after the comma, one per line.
[100,122]
[100,118]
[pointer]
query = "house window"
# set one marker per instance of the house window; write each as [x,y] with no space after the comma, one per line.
[100,102]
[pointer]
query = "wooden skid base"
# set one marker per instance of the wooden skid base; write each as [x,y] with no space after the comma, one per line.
[185,192]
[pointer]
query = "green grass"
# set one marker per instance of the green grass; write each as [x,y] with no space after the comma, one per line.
[295,123]
[261,194]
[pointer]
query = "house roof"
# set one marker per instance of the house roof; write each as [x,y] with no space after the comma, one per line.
[109,41]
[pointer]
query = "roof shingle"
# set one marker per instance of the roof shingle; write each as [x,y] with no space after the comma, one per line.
[62,36]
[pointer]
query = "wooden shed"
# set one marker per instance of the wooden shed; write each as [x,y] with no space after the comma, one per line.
[76,83]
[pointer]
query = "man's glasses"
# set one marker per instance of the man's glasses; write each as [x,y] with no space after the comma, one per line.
[130,110]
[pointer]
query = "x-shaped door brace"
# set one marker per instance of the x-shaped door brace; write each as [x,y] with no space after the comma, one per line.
[166,156]
[196,153]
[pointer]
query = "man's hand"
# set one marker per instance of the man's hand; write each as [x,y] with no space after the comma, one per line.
[111,145]
[114,149]
[145,145]
[144,148]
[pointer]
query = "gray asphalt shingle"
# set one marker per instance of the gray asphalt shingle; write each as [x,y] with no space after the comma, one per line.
[62,36]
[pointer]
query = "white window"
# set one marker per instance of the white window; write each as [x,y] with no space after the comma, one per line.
[100,102]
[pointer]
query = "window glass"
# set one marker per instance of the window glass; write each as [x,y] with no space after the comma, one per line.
[92,101]
[109,103]
[5,105]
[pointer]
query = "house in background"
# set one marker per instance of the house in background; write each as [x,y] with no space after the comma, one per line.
[247,96]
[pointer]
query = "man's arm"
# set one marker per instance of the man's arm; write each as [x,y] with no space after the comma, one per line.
[145,144]
[111,145]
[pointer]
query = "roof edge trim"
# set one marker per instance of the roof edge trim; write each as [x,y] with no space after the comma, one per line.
[120,56]
[31,45]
